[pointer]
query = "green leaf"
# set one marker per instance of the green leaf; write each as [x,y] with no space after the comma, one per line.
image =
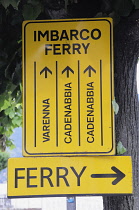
[115,106]
[6,3]
[21,88]
[99,14]
[12,114]
[136,4]
[17,121]
[5,105]
[120,148]
[31,12]
[7,111]
[123,8]
[8,132]
[115,17]
[33,2]
[19,41]
[66,4]
[5,120]
[10,144]
[1,129]
[12,147]
[1,101]
[15,3]
[3,159]
[27,12]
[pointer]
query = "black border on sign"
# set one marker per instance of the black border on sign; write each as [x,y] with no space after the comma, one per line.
[68,195]
[111,67]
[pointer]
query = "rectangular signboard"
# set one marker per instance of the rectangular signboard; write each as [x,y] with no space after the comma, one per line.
[65,176]
[68,87]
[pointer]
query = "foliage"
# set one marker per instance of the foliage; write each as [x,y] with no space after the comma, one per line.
[3,160]
[120,148]
[115,106]
[11,114]
[12,14]
[10,72]
[118,9]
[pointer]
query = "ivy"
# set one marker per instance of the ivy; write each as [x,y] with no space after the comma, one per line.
[136,4]
[115,106]
[123,8]
[11,115]
[120,148]
[3,159]
[7,3]
[31,11]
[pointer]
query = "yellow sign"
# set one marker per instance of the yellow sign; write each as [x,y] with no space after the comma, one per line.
[68,87]
[64,176]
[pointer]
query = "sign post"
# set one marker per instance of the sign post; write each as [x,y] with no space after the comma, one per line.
[71,203]
[68,87]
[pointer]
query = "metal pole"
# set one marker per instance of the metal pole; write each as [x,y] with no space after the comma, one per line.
[71,203]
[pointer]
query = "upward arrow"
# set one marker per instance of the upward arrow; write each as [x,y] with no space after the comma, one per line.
[89,69]
[118,175]
[45,69]
[68,69]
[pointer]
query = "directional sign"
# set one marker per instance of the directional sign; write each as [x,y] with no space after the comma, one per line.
[68,87]
[65,176]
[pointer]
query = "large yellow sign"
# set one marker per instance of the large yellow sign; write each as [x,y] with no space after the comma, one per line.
[64,176]
[68,87]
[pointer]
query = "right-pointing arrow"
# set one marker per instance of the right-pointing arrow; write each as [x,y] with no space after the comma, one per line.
[89,69]
[118,175]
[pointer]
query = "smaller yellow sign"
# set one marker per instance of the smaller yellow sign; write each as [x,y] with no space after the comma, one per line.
[64,176]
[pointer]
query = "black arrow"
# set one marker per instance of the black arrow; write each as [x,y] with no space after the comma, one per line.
[118,175]
[89,69]
[68,69]
[45,70]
